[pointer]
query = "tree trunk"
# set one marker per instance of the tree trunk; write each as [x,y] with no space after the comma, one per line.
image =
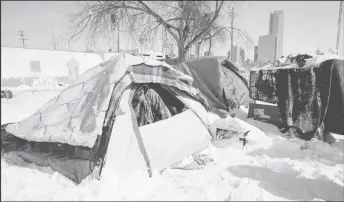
[210,46]
[181,53]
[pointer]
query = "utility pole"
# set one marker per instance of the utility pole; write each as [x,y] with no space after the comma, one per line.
[343,30]
[21,33]
[118,35]
[339,25]
[232,31]
[54,42]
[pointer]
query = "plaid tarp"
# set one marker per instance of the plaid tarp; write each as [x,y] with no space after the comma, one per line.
[91,102]
[145,74]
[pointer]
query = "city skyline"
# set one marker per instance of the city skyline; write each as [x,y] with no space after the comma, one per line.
[307,31]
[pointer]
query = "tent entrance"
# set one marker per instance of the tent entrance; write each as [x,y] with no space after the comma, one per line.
[152,103]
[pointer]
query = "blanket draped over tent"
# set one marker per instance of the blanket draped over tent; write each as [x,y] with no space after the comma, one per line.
[223,87]
[308,97]
[78,122]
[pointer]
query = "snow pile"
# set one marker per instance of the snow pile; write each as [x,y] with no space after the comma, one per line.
[271,168]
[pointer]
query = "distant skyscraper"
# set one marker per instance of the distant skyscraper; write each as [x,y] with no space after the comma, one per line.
[270,47]
[276,28]
[256,54]
[267,48]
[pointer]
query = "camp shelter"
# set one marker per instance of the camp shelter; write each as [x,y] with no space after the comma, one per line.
[308,90]
[92,120]
[218,80]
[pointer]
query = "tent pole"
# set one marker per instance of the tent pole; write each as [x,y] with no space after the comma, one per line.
[138,134]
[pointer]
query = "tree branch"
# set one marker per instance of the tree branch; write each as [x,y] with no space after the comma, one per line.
[217,11]
[157,17]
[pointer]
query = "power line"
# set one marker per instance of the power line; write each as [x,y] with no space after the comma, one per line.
[21,33]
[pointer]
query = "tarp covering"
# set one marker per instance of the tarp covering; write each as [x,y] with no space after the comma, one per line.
[79,122]
[124,156]
[76,115]
[223,88]
[307,96]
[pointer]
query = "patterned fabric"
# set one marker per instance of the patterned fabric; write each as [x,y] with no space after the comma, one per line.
[81,115]
[78,122]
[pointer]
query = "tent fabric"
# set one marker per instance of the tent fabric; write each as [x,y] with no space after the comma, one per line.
[92,122]
[123,154]
[72,168]
[76,115]
[223,87]
[335,112]
[308,97]
[174,142]
[85,118]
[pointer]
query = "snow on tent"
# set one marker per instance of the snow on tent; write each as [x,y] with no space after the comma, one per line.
[77,65]
[219,81]
[105,113]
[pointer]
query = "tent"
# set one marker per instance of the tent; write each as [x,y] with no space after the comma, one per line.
[219,81]
[309,92]
[93,120]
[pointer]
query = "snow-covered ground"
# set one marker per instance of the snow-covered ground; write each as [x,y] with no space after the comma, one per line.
[271,168]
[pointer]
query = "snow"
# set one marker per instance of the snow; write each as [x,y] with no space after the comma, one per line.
[270,168]
[315,61]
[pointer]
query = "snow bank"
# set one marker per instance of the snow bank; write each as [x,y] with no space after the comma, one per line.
[271,168]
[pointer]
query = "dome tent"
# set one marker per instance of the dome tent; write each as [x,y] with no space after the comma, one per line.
[92,120]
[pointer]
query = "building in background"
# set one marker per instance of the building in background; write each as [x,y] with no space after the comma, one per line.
[135,52]
[206,53]
[255,57]
[236,54]
[267,48]
[242,55]
[270,47]
[255,53]
[198,49]
[24,66]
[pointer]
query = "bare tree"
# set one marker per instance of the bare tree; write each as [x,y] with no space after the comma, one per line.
[220,33]
[216,32]
[187,22]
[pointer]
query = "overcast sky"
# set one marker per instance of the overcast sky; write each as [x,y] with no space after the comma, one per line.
[308,24]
